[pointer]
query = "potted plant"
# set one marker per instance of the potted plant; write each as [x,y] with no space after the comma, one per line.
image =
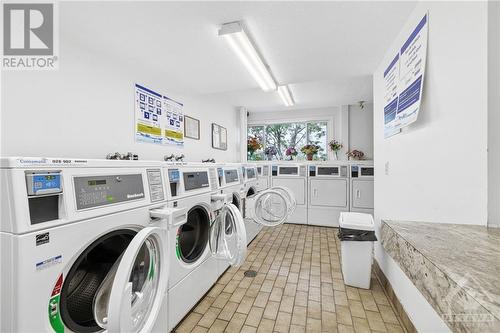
[291,151]
[310,150]
[335,146]
[355,154]
[270,152]
[253,144]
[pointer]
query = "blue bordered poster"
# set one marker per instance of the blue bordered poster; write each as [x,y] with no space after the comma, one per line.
[404,80]
[158,118]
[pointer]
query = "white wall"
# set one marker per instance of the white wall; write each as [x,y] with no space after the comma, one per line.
[349,125]
[86,109]
[438,165]
[493,113]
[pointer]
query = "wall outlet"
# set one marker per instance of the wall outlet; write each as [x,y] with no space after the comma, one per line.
[387,168]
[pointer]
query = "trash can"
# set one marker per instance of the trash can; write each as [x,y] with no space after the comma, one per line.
[356,234]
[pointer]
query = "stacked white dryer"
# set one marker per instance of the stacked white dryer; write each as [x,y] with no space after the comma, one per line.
[328,193]
[361,185]
[213,233]
[292,176]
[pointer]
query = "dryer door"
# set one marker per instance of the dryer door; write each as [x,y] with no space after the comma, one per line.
[228,236]
[130,297]
[269,208]
[292,202]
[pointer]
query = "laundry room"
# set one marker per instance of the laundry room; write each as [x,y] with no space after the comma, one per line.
[250,166]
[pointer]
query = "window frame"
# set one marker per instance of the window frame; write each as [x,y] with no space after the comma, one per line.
[329,129]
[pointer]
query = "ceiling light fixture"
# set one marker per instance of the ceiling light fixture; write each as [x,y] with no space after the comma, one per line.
[237,38]
[286,95]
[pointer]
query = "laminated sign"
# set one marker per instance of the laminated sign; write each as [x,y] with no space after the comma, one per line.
[404,79]
[158,118]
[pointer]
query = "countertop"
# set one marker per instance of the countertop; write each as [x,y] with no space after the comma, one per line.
[455,266]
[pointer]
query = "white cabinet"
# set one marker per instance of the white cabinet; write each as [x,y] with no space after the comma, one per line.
[328,192]
[362,194]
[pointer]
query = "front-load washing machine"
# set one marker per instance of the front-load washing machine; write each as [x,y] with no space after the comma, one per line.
[198,245]
[250,188]
[328,193]
[84,246]
[230,181]
[292,176]
[361,184]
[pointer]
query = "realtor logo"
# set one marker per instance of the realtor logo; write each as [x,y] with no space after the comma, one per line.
[29,36]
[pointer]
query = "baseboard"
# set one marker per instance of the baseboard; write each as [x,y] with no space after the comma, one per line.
[405,320]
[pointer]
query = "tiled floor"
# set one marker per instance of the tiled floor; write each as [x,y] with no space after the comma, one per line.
[298,288]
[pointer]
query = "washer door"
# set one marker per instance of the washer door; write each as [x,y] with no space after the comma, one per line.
[269,208]
[228,236]
[292,203]
[130,297]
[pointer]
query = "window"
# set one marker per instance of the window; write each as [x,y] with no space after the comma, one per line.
[274,139]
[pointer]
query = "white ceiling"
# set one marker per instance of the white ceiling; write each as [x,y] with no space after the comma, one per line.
[326,51]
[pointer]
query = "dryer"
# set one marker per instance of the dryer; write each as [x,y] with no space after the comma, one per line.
[361,184]
[198,245]
[92,234]
[292,176]
[328,193]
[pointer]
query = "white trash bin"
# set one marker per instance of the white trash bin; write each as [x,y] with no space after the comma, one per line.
[356,234]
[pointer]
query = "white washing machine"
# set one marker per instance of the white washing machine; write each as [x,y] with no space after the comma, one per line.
[328,193]
[264,176]
[195,256]
[250,188]
[230,181]
[292,176]
[361,184]
[83,246]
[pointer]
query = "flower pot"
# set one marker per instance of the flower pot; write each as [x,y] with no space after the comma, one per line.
[310,157]
[335,155]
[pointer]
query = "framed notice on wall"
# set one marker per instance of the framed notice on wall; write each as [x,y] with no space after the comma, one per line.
[219,137]
[191,128]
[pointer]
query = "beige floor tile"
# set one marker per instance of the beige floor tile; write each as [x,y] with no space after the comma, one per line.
[276,294]
[375,321]
[231,286]
[261,299]
[228,311]
[352,293]
[203,306]
[328,321]
[238,295]
[283,322]
[314,310]
[340,298]
[345,329]
[199,329]
[280,281]
[265,326]
[303,285]
[271,310]
[301,298]
[392,328]
[357,309]
[216,290]
[361,325]
[327,289]
[299,315]
[297,329]
[368,300]
[218,326]
[245,305]
[221,300]
[236,323]
[388,314]
[267,286]
[328,303]
[293,277]
[254,316]
[343,315]
[315,294]
[189,323]
[209,317]
[287,304]
[290,289]
[313,325]
[248,329]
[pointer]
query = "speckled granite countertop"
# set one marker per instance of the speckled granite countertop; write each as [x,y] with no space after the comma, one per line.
[456,268]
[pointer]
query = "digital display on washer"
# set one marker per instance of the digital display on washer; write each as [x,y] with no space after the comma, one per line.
[195,180]
[251,173]
[328,171]
[289,170]
[231,176]
[366,171]
[45,183]
[97,182]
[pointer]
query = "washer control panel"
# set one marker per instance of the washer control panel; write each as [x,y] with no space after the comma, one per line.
[43,183]
[95,191]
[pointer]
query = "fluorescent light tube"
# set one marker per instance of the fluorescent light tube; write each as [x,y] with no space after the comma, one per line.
[235,35]
[286,95]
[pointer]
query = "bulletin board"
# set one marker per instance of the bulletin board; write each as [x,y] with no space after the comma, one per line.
[219,137]
[158,118]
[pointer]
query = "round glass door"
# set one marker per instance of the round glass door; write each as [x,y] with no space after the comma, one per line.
[288,194]
[228,240]
[269,208]
[130,297]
